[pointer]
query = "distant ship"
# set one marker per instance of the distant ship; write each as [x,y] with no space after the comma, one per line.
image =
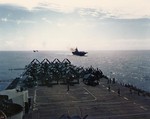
[78,53]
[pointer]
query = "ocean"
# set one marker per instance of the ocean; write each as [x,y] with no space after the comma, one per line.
[130,67]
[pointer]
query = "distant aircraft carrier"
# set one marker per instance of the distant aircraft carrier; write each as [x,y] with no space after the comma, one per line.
[78,53]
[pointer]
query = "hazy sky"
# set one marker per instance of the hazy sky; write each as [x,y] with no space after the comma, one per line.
[86,24]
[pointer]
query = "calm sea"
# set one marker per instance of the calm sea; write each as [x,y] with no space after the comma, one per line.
[131,67]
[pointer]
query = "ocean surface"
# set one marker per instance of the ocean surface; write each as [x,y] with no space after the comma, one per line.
[131,67]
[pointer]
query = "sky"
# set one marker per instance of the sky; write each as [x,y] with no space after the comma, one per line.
[65,24]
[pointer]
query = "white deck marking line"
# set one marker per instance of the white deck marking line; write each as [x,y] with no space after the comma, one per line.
[125,98]
[62,102]
[68,111]
[143,108]
[95,98]
[34,96]
[122,115]
[34,101]
[112,91]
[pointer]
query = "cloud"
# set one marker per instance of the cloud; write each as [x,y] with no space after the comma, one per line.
[24,21]
[4,19]
[61,24]
[29,4]
[18,21]
[47,20]
[15,14]
[56,24]
[126,9]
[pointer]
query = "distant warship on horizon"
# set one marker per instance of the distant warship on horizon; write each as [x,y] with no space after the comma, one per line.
[78,53]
